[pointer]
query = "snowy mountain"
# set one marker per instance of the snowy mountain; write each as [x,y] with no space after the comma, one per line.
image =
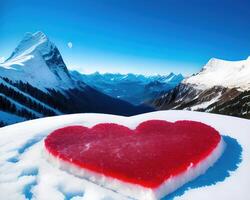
[220,87]
[228,74]
[25,173]
[37,61]
[35,82]
[132,88]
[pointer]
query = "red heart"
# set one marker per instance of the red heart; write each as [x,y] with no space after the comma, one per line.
[147,156]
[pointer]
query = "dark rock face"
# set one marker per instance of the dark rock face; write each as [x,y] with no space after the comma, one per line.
[238,106]
[55,62]
[179,97]
[218,99]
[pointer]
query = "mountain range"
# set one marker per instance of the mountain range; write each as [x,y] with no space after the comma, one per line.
[35,82]
[133,88]
[220,87]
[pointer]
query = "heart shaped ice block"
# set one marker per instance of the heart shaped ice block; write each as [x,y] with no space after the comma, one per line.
[148,162]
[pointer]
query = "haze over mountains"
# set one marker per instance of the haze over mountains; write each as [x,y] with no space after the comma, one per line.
[133,88]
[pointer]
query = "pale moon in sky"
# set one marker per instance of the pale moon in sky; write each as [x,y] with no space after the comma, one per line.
[70,45]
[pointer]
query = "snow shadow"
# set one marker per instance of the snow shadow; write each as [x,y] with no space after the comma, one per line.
[227,163]
[70,194]
[25,147]
[29,172]
[27,190]
[29,144]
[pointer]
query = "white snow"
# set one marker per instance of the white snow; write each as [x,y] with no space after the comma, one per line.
[231,74]
[26,173]
[32,42]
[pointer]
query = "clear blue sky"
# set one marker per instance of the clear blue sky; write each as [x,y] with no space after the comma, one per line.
[141,36]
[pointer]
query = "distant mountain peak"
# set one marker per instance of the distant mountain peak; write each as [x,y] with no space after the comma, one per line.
[172,74]
[218,72]
[133,88]
[180,75]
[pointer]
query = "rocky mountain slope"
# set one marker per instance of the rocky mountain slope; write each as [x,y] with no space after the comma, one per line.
[220,87]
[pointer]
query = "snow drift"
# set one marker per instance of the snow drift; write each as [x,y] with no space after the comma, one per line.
[26,174]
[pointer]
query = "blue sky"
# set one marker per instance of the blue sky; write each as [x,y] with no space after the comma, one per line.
[140,36]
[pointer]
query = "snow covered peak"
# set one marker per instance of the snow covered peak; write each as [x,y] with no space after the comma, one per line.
[37,36]
[38,61]
[217,72]
[32,42]
[170,78]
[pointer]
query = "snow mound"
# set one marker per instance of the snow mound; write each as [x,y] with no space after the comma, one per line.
[25,173]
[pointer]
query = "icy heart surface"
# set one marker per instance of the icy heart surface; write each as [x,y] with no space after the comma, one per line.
[148,155]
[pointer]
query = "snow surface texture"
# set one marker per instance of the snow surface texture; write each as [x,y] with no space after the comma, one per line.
[26,174]
[231,74]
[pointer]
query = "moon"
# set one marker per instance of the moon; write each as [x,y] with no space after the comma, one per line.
[70,45]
